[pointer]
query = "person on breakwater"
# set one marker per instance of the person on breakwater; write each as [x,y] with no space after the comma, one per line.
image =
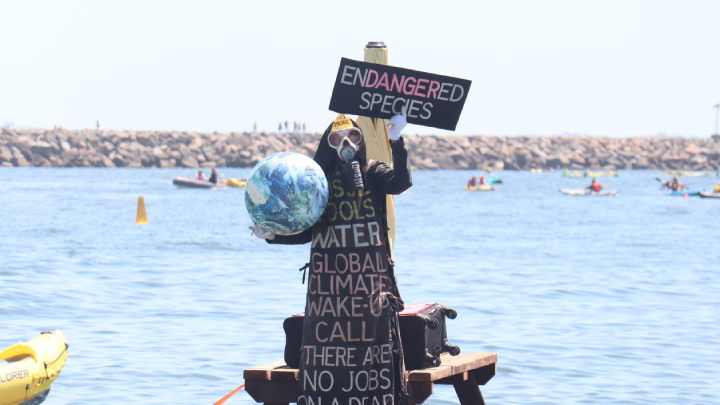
[351,350]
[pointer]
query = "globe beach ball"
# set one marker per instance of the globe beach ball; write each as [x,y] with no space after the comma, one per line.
[286,193]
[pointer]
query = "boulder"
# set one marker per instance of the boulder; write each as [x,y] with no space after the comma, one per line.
[189,162]
[5,154]
[106,161]
[41,148]
[20,141]
[19,159]
[557,160]
[69,156]
[118,160]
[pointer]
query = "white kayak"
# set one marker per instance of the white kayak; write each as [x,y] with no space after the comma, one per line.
[587,192]
[704,194]
[192,183]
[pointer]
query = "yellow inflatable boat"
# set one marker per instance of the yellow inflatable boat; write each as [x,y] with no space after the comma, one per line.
[235,182]
[27,369]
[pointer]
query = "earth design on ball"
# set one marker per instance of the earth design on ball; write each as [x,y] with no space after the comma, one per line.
[286,193]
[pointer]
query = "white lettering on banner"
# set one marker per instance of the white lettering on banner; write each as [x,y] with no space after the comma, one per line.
[367,380]
[462,93]
[350,262]
[364,97]
[328,238]
[341,334]
[359,78]
[345,73]
[443,90]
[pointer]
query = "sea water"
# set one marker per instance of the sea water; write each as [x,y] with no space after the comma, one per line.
[612,300]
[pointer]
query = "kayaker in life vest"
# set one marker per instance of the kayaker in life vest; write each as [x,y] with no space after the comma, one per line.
[472,182]
[595,186]
[351,343]
[676,185]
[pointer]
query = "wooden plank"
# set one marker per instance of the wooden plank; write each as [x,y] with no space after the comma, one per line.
[262,372]
[452,365]
[279,392]
[419,391]
[468,391]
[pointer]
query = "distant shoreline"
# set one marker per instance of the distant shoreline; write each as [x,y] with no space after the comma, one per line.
[167,149]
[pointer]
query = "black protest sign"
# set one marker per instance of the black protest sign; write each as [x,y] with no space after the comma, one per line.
[380,91]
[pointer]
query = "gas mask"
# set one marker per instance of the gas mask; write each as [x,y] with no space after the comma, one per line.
[345,142]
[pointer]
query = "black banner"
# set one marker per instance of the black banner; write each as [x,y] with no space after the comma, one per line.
[380,91]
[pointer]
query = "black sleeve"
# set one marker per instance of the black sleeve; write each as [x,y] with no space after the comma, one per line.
[389,181]
[297,239]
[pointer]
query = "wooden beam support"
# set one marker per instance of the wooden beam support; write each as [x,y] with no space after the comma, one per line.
[484,374]
[419,391]
[468,391]
[269,391]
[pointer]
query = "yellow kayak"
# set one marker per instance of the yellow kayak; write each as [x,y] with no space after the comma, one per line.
[601,174]
[235,182]
[689,174]
[578,174]
[27,369]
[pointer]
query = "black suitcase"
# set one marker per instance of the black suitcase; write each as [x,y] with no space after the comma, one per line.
[422,330]
[424,335]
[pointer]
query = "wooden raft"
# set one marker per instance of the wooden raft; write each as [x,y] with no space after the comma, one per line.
[277,384]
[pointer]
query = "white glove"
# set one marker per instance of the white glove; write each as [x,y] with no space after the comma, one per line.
[261,233]
[396,124]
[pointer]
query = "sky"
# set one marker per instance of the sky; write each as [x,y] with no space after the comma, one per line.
[599,68]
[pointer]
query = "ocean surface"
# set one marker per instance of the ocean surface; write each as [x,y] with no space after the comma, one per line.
[612,300]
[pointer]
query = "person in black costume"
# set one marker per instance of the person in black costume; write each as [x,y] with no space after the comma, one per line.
[351,352]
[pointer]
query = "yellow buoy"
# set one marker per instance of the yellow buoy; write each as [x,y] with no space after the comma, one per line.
[141,214]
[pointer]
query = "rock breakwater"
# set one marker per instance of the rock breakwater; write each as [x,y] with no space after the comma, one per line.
[89,148]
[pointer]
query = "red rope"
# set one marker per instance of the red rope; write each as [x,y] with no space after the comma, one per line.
[226,397]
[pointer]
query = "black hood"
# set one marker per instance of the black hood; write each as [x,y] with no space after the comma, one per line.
[326,156]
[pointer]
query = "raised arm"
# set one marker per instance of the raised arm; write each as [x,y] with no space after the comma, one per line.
[395,181]
[297,239]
